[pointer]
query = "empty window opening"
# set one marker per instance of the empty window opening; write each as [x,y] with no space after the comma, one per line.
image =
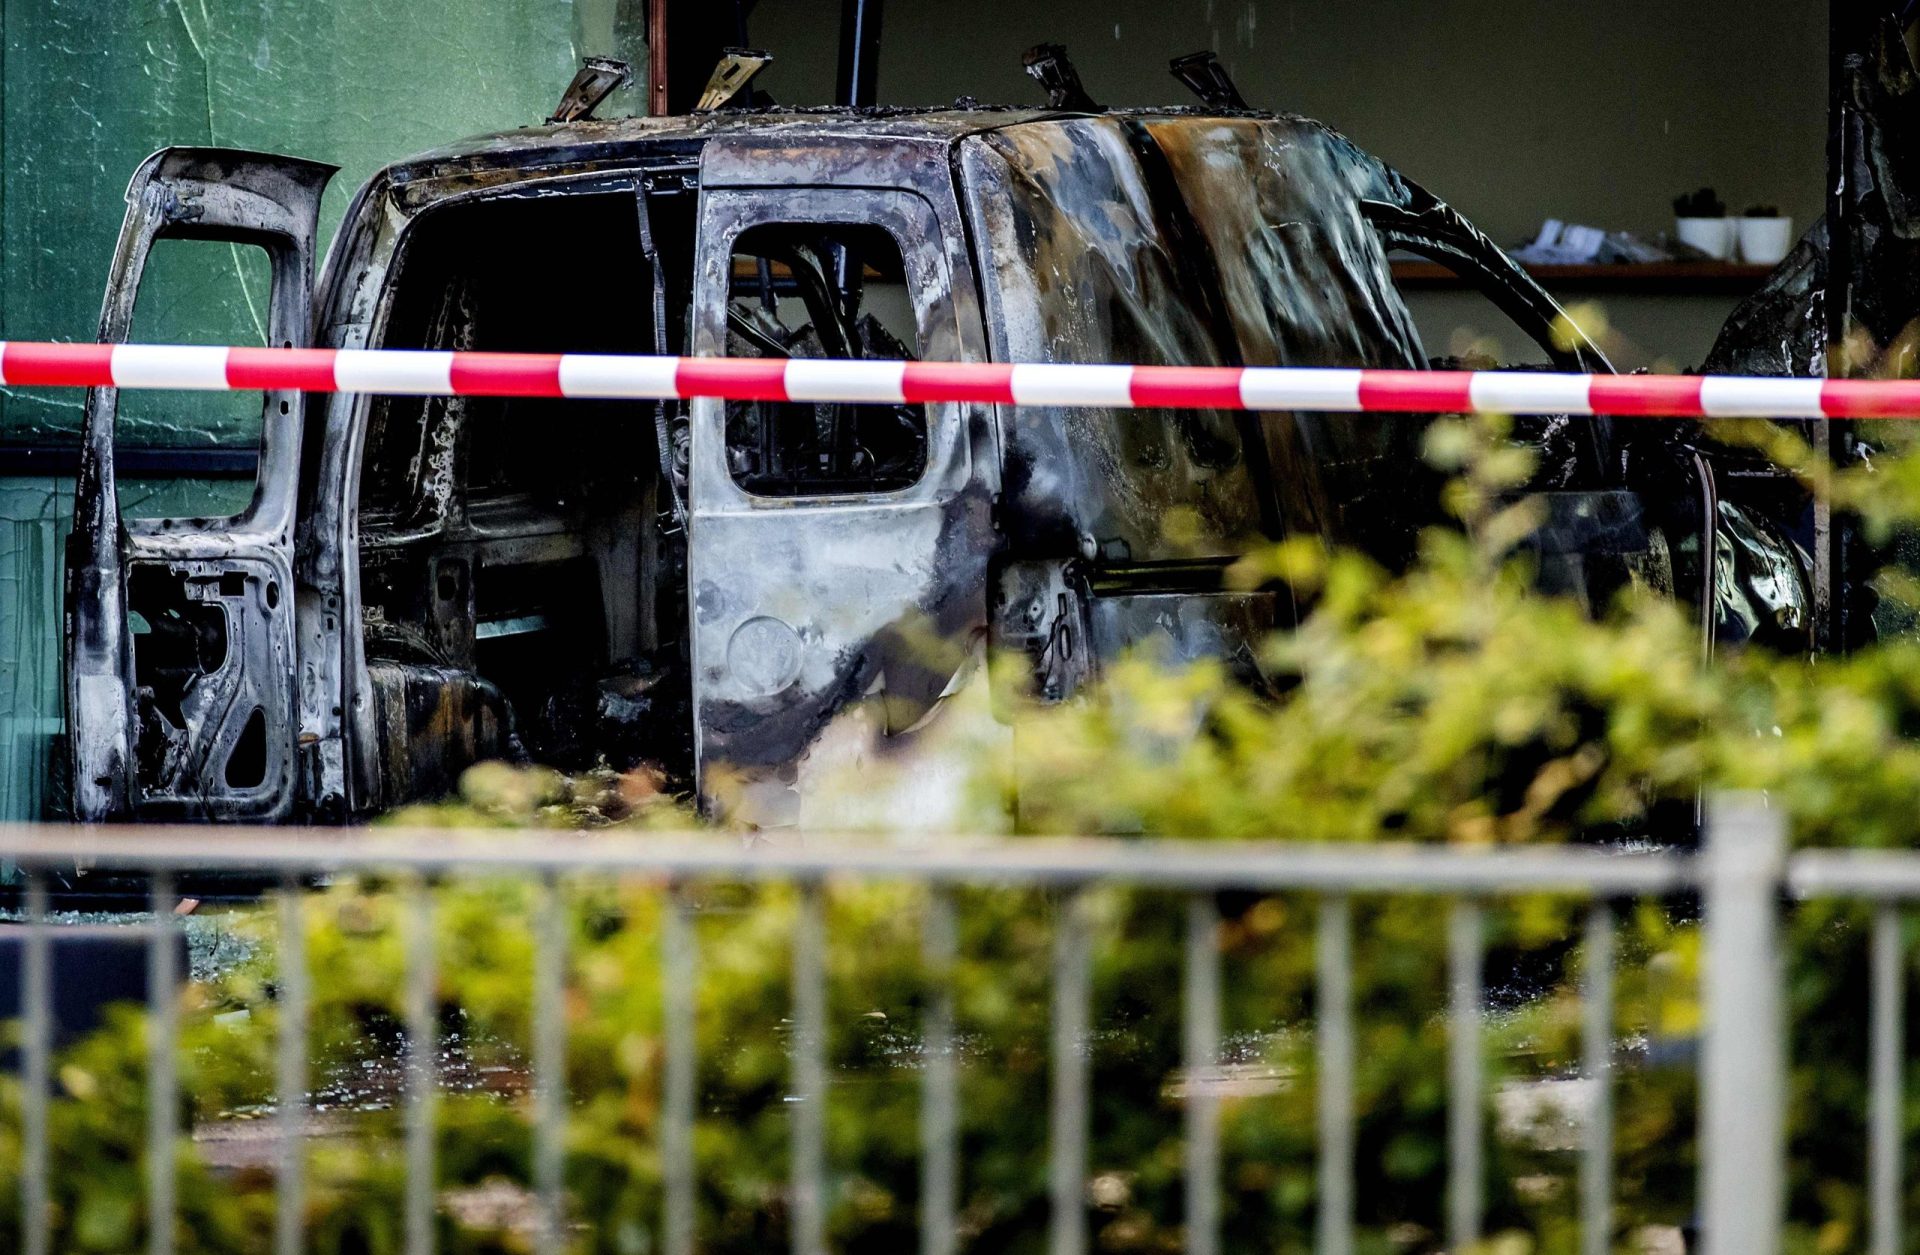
[822,291]
[194,292]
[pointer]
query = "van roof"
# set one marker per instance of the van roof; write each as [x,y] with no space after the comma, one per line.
[600,141]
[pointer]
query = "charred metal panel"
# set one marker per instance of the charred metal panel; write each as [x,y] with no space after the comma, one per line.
[1080,266]
[856,610]
[1780,329]
[211,701]
[1249,250]
[433,723]
[123,761]
[337,703]
[1303,280]
[1173,240]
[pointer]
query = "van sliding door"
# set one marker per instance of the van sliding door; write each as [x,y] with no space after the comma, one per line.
[837,552]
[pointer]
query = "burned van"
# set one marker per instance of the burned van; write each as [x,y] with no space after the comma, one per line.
[759,596]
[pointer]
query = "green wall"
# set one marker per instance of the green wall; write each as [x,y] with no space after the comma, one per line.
[89,87]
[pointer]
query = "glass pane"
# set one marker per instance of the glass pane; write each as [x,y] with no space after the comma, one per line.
[208,443]
[823,291]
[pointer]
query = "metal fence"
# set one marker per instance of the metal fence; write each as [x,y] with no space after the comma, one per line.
[1741,874]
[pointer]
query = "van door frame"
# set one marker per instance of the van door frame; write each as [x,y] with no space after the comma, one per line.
[229,195]
[357,293]
[752,740]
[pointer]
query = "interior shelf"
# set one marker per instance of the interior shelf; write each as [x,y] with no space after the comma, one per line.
[1663,278]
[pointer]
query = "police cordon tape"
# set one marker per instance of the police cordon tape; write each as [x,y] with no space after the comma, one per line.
[427,373]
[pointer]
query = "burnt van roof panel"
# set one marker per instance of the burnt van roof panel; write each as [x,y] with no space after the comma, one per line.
[614,140]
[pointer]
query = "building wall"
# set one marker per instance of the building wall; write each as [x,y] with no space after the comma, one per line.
[90,87]
[1514,111]
[1596,111]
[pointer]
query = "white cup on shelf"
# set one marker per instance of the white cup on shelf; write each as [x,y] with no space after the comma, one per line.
[1764,241]
[1712,236]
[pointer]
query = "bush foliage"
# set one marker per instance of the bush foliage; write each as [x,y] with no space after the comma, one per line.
[1448,702]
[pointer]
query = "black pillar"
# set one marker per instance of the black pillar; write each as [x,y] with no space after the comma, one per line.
[859,75]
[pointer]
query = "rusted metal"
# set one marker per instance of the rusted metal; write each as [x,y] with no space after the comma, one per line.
[1054,70]
[736,69]
[657,63]
[1203,75]
[597,79]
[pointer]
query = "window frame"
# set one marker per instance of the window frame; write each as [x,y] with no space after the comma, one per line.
[914,226]
[795,245]
[1437,233]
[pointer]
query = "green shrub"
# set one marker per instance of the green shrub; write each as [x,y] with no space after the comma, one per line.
[1447,703]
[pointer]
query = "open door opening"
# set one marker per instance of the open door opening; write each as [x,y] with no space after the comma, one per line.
[521,570]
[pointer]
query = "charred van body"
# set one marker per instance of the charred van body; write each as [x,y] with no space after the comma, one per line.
[758,595]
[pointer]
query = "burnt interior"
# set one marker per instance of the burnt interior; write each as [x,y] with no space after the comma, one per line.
[199,714]
[177,641]
[834,290]
[522,561]
[521,568]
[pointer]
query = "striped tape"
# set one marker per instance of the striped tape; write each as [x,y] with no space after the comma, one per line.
[415,372]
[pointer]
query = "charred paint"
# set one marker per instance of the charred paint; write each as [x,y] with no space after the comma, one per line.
[445,603]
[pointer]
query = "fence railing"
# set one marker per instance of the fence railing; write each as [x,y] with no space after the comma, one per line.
[1740,875]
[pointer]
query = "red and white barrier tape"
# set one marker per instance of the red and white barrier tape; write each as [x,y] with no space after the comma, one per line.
[30,364]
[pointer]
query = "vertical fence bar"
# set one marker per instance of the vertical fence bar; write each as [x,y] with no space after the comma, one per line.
[36,1014]
[1884,1120]
[808,1165]
[550,1064]
[939,1080]
[163,1083]
[1333,956]
[1067,1136]
[290,1072]
[1465,1079]
[1596,1052]
[1201,1032]
[423,1043]
[679,960]
[1743,1052]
